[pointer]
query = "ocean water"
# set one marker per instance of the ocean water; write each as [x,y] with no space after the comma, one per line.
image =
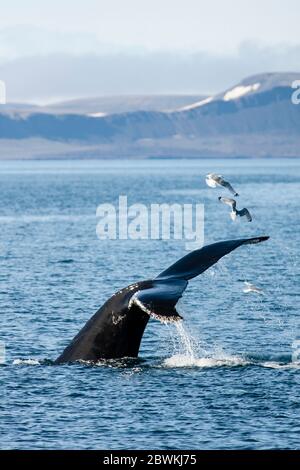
[226,378]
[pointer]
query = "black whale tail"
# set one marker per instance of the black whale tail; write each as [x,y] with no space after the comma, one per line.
[117,328]
[160,297]
[198,261]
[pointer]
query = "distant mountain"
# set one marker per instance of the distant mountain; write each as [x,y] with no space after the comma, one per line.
[254,118]
[103,105]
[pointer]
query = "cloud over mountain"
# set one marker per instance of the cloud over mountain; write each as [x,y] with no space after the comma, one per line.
[57,75]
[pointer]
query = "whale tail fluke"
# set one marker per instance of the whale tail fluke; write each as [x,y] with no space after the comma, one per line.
[252,241]
[116,329]
[159,299]
[200,260]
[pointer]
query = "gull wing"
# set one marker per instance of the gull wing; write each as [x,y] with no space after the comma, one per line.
[246,213]
[230,202]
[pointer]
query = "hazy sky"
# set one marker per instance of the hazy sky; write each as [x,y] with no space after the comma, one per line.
[53,49]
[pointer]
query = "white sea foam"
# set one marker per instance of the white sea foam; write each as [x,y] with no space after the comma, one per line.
[187,361]
[26,362]
[181,360]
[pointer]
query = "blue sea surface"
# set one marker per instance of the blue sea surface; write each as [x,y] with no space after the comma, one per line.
[227,378]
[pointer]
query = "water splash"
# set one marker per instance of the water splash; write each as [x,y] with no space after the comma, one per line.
[222,359]
[186,340]
[188,352]
[186,349]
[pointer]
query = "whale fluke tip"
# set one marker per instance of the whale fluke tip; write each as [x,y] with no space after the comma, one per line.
[251,241]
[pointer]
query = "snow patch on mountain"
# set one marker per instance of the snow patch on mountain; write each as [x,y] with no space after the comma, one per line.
[197,104]
[97,115]
[239,91]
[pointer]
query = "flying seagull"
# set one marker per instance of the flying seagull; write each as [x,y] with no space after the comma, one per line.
[234,211]
[252,288]
[213,180]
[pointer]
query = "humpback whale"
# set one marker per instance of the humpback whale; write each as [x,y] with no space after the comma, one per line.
[116,329]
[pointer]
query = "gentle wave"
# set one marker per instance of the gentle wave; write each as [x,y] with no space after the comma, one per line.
[184,192]
[175,361]
[28,219]
[276,365]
